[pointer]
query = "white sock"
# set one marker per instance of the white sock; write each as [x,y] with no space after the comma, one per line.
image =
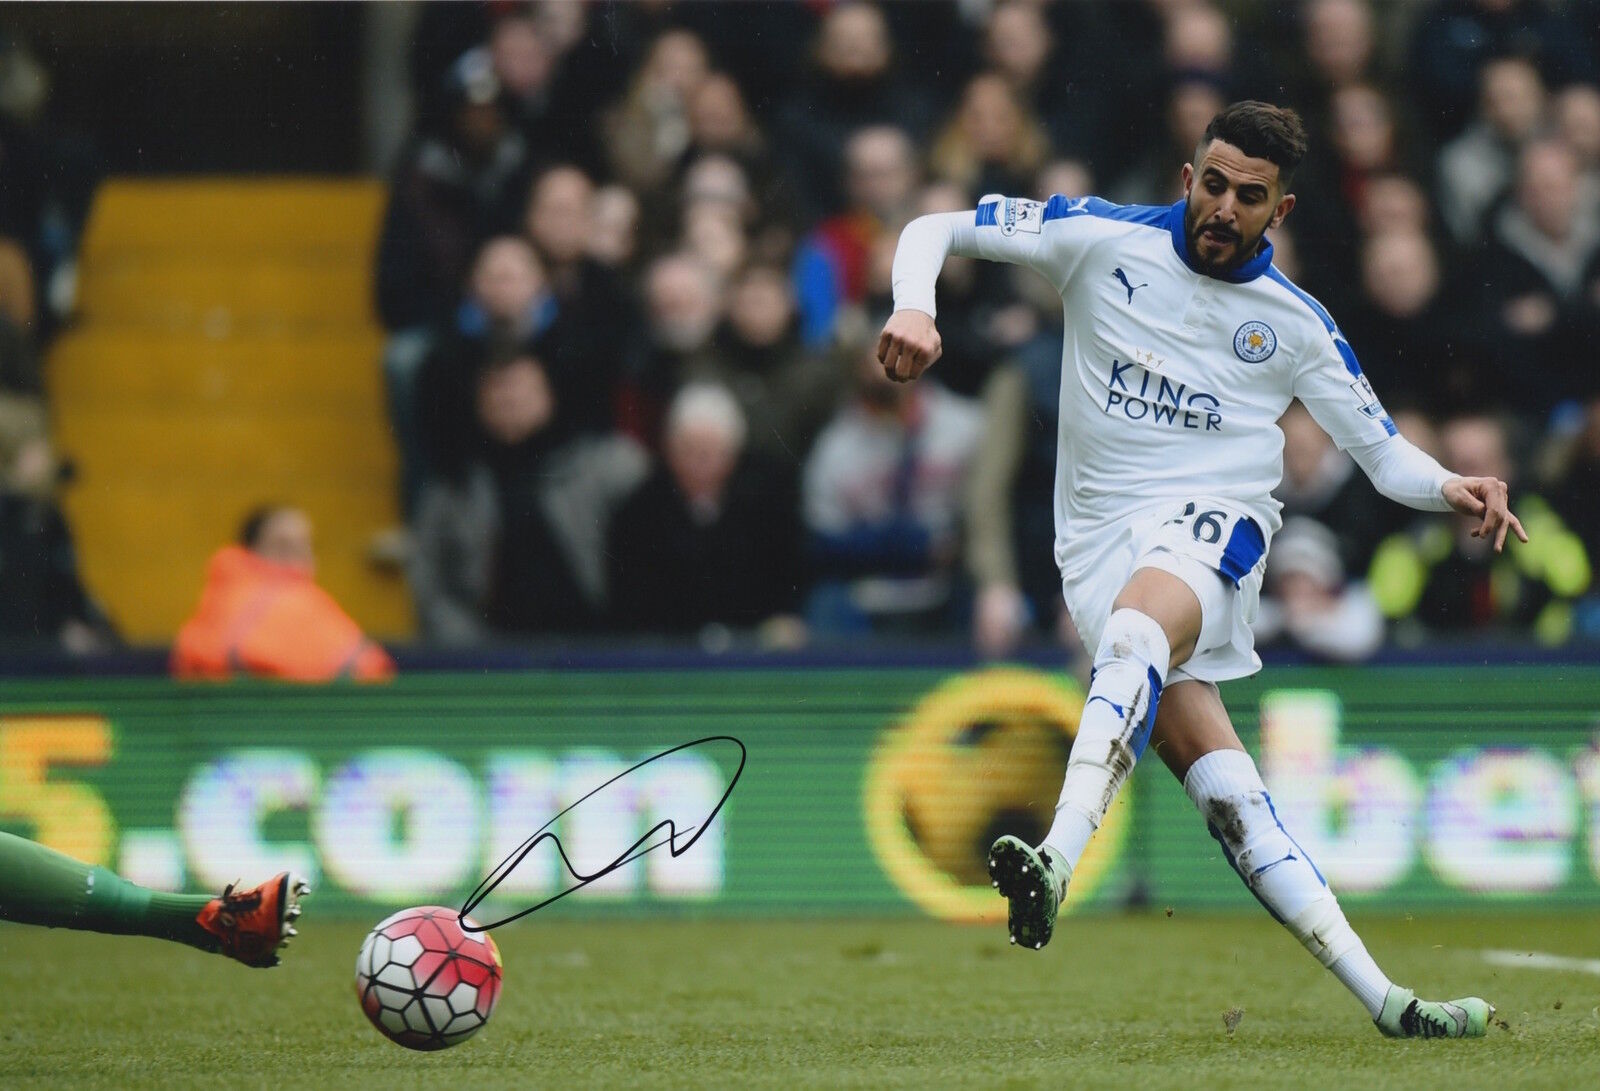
[1227,788]
[1130,667]
[1357,972]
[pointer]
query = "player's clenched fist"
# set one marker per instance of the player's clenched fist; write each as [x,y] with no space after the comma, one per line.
[908,345]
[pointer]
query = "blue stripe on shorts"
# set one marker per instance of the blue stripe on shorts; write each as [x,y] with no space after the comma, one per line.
[1245,546]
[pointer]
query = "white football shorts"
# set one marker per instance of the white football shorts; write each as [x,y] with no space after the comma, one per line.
[1209,544]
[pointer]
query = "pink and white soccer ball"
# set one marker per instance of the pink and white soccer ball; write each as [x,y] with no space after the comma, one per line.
[424,981]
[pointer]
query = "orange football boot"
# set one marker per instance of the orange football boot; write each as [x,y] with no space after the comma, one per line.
[251,925]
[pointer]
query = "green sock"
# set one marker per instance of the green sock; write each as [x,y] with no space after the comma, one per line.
[42,886]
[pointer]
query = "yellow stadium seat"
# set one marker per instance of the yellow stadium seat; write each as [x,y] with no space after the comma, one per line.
[225,355]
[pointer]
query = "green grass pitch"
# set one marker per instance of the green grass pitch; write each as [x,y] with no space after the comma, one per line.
[1134,1001]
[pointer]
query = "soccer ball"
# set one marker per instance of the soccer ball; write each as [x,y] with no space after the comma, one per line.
[424,981]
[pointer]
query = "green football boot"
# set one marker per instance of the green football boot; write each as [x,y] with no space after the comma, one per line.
[1033,882]
[1404,1016]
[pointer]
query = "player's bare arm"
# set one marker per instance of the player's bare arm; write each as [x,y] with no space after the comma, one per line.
[1490,498]
[909,345]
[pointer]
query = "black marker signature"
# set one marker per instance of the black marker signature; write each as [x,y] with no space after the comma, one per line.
[630,854]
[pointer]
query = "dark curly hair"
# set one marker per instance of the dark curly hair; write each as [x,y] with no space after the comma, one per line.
[1262,131]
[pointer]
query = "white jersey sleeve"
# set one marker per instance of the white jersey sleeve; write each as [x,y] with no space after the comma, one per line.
[1330,383]
[1404,473]
[1038,234]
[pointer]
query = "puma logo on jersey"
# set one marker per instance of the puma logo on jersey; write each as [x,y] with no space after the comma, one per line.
[1120,275]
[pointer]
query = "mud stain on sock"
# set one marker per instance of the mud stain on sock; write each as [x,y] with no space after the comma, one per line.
[1224,815]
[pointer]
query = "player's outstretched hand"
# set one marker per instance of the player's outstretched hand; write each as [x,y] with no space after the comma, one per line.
[908,345]
[1488,497]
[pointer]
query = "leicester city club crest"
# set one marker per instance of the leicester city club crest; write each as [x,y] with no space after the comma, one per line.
[1254,342]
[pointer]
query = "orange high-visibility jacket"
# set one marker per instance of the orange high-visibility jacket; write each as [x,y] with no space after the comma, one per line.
[260,618]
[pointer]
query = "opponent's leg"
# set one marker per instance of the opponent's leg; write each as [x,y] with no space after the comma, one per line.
[1154,616]
[1196,739]
[41,886]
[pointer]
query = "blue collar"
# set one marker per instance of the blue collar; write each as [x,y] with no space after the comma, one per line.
[1249,271]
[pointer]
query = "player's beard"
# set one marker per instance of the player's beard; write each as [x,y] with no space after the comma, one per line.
[1243,249]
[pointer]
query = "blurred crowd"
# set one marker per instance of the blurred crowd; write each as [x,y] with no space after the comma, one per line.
[48,174]
[636,256]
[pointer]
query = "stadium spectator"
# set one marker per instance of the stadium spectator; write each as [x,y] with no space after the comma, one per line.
[1439,579]
[1575,475]
[559,220]
[595,340]
[1532,270]
[43,602]
[1320,484]
[762,46]
[830,267]
[1192,101]
[785,392]
[509,299]
[525,50]
[1420,428]
[711,537]
[1306,602]
[1070,178]
[1585,323]
[714,193]
[1009,505]
[720,124]
[509,306]
[1585,16]
[19,370]
[22,409]
[853,85]
[1365,137]
[1577,123]
[881,500]
[50,174]
[1197,37]
[510,541]
[702,125]
[614,239]
[453,188]
[648,132]
[714,235]
[1285,251]
[1476,167]
[1409,332]
[993,144]
[1051,57]
[717,180]
[684,303]
[1338,42]
[450,566]
[523,63]
[1363,144]
[1395,205]
[261,613]
[1018,46]
[1454,39]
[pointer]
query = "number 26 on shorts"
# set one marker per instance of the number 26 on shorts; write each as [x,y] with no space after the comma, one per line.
[1209,526]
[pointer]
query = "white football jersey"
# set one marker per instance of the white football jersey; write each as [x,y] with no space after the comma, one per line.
[1172,381]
